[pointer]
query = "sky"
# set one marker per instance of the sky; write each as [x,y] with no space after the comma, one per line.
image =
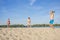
[38,10]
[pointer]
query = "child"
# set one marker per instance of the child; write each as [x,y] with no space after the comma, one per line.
[28,22]
[51,19]
[8,23]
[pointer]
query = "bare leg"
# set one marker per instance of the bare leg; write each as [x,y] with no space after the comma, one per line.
[28,26]
[51,25]
[8,25]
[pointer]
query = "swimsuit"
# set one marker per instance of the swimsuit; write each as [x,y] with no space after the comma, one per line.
[52,21]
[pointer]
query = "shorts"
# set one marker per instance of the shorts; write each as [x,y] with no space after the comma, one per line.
[51,21]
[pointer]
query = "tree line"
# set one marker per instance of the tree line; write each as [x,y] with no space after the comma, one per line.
[34,25]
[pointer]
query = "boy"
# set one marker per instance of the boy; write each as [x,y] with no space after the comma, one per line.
[51,19]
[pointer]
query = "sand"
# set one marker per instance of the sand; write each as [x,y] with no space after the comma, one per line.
[29,34]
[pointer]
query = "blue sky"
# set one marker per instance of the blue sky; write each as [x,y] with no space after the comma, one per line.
[38,10]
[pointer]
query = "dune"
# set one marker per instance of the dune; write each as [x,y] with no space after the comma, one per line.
[29,34]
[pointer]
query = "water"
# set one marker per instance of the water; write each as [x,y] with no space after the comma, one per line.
[37,27]
[47,27]
[32,27]
[57,26]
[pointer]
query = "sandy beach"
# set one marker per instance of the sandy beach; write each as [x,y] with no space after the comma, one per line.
[29,34]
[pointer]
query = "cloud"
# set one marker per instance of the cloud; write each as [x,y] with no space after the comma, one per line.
[35,7]
[32,2]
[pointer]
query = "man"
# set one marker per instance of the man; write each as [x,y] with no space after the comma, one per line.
[51,19]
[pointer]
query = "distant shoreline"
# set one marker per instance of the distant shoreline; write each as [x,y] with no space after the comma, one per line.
[34,25]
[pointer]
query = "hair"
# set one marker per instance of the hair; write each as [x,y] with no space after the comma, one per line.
[53,11]
[28,17]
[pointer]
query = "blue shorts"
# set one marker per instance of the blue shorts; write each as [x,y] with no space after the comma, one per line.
[51,21]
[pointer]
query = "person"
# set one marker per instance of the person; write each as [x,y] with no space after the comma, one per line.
[51,19]
[28,22]
[8,23]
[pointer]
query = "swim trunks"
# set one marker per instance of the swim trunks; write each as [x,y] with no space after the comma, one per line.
[52,21]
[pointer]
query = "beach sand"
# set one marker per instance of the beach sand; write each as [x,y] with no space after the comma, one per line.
[29,34]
